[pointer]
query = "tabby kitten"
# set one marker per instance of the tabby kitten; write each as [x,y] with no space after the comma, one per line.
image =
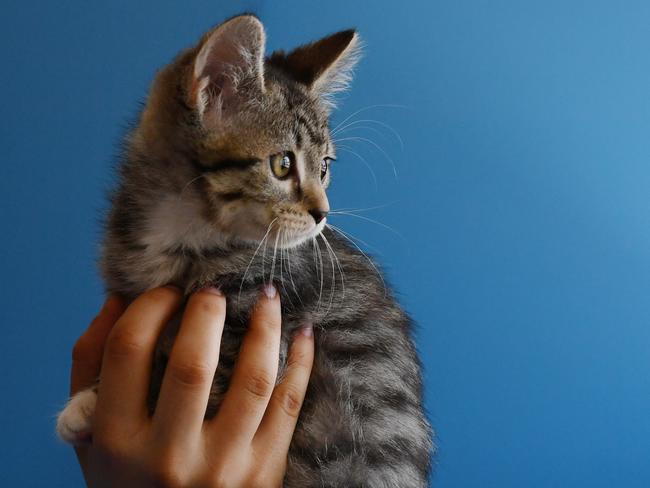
[223,182]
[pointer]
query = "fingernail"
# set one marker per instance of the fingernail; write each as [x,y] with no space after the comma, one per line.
[270,291]
[307,330]
[213,290]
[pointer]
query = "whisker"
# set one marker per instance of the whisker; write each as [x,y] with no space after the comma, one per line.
[338,264]
[373,143]
[320,260]
[283,251]
[363,160]
[275,250]
[372,121]
[281,258]
[351,128]
[369,246]
[366,209]
[253,258]
[293,284]
[365,109]
[362,217]
[180,195]
[366,256]
[331,299]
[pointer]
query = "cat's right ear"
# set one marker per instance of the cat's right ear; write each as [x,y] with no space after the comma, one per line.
[230,60]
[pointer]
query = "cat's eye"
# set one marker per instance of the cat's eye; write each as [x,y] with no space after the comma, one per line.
[281,164]
[324,167]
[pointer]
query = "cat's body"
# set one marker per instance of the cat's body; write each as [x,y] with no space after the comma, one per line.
[362,423]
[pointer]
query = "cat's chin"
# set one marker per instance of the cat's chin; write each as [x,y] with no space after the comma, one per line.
[299,239]
[287,240]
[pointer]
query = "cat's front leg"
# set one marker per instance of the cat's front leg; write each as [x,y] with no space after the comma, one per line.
[74,423]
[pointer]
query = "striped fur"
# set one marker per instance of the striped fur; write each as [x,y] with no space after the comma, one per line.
[196,198]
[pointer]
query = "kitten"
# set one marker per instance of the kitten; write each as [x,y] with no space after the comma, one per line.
[223,182]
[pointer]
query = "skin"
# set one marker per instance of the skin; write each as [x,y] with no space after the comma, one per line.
[244,445]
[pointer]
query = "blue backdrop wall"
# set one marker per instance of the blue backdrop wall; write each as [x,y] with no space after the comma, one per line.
[520,210]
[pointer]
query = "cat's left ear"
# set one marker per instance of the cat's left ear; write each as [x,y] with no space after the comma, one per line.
[228,68]
[325,66]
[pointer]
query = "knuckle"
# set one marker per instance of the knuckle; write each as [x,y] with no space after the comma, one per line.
[167,477]
[108,447]
[299,359]
[261,479]
[266,315]
[191,373]
[290,400]
[258,383]
[268,323]
[219,476]
[255,482]
[167,470]
[124,342]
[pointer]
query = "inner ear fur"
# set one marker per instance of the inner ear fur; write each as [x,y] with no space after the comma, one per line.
[325,66]
[229,56]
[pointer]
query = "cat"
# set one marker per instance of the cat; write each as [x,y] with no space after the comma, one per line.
[232,155]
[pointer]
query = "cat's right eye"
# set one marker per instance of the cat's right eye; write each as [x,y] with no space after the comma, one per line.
[281,164]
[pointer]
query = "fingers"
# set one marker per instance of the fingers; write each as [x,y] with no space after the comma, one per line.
[89,348]
[276,430]
[128,356]
[254,375]
[188,378]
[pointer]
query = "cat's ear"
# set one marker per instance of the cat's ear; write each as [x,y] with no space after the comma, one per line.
[228,66]
[325,66]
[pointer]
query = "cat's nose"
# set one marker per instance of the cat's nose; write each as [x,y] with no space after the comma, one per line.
[318,214]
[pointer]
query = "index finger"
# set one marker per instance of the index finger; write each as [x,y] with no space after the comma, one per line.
[89,348]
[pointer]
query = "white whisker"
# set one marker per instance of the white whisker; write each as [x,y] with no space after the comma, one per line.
[364,109]
[350,236]
[338,264]
[362,217]
[363,160]
[331,299]
[359,128]
[253,258]
[365,255]
[366,209]
[372,121]
[320,260]
[283,250]
[180,195]
[293,284]
[275,251]
[373,143]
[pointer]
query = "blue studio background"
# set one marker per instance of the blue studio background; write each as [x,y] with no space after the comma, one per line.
[520,211]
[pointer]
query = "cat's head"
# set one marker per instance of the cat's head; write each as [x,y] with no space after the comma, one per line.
[251,132]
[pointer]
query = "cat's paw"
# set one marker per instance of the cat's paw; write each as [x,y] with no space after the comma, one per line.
[74,424]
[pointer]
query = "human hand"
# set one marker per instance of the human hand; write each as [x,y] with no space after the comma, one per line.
[244,445]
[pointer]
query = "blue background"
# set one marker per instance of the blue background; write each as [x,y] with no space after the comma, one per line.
[521,211]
